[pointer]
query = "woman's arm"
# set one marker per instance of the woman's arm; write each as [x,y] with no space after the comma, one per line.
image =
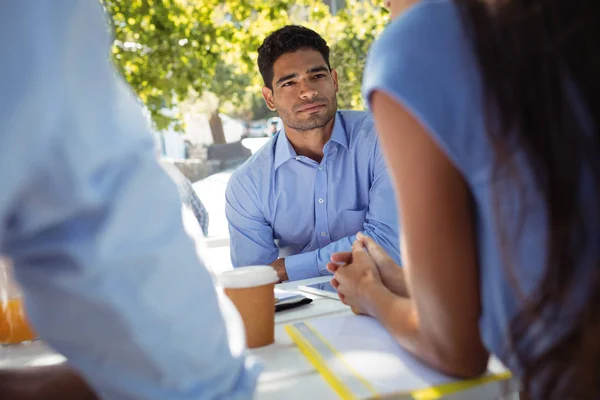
[439,323]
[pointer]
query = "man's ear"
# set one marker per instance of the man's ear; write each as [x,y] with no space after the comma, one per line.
[334,75]
[268,96]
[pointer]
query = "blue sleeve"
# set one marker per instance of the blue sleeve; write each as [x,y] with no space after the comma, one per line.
[93,223]
[250,235]
[381,224]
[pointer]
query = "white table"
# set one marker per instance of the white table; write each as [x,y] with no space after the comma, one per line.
[289,375]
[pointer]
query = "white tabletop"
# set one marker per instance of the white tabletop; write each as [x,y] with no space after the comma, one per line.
[289,375]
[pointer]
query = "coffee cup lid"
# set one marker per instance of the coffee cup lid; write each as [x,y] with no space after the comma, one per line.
[247,277]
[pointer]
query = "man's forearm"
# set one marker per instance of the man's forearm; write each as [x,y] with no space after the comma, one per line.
[302,266]
[313,263]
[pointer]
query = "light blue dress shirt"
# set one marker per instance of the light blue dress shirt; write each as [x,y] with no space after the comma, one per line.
[433,72]
[282,204]
[93,223]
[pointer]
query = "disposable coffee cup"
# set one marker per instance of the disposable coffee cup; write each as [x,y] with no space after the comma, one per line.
[251,290]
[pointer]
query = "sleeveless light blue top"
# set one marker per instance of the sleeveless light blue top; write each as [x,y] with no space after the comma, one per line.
[424,60]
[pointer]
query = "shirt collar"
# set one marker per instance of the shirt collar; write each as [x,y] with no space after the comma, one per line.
[284,150]
[339,134]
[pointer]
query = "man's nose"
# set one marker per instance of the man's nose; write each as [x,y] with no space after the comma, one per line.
[307,91]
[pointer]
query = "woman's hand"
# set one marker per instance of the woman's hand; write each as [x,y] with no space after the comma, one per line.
[357,281]
[391,274]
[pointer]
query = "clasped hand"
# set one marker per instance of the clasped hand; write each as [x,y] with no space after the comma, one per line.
[359,275]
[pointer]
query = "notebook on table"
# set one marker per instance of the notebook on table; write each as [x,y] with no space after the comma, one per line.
[360,360]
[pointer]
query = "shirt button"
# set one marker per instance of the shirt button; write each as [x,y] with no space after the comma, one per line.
[321,201]
[323,234]
[320,168]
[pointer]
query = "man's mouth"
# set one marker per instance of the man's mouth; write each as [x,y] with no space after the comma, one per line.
[311,107]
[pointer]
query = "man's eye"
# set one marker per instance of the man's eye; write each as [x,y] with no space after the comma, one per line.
[318,76]
[288,84]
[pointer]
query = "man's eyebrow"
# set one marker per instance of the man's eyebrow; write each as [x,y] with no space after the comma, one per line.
[317,69]
[285,78]
[321,68]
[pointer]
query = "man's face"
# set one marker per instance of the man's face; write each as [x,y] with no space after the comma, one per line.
[304,90]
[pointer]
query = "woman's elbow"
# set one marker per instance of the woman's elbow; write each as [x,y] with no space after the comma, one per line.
[468,364]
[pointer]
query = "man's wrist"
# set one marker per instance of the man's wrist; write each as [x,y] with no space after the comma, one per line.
[283,276]
[279,266]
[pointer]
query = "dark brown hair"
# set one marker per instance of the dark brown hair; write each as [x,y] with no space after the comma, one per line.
[540,63]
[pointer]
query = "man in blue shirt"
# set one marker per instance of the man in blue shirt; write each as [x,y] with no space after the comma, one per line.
[319,180]
[93,224]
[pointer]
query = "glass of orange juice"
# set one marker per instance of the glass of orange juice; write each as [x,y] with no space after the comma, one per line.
[14,328]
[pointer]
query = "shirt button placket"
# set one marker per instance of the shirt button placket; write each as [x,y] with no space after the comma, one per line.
[321,223]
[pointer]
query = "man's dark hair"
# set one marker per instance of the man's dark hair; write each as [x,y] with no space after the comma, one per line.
[288,39]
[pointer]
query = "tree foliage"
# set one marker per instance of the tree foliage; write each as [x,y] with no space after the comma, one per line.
[172,51]
[360,23]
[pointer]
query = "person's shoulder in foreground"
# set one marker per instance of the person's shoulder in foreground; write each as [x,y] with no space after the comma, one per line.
[93,224]
[437,85]
[419,49]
